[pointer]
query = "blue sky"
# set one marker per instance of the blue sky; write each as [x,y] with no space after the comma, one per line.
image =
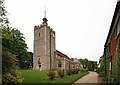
[81,26]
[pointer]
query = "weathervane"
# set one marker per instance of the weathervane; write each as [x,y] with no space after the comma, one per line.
[45,19]
[45,12]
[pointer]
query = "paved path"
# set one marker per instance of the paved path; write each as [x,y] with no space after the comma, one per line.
[92,77]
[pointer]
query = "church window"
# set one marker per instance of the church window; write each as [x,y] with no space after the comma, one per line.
[39,34]
[59,64]
[110,64]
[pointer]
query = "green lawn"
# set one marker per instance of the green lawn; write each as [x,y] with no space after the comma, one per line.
[70,79]
[33,76]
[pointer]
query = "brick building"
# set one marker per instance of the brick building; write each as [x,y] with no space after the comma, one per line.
[112,41]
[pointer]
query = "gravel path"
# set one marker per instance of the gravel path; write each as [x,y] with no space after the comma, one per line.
[92,77]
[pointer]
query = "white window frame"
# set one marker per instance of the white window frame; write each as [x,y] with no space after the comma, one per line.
[110,65]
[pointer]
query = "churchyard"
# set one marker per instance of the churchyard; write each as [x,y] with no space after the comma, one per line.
[38,77]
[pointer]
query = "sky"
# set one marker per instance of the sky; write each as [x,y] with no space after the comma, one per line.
[81,26]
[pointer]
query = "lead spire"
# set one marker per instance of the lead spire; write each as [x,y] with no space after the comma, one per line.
[45,12]
[45,19]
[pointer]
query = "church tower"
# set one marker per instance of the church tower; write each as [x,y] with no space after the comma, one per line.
[44,47]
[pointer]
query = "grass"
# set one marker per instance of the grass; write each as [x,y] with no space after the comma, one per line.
[33,76]
[70,79]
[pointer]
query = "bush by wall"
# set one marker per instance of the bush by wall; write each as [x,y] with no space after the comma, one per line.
[69,72]
[61,73]
[51,74]
[77,70]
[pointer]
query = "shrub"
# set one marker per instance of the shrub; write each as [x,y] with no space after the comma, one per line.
[69,72]
[77,70]
[12,78]
[51,74]
[56,74]
[10,72]
[73,71]
[61,73]
[84,70]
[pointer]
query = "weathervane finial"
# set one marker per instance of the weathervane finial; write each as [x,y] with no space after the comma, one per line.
[45,12]
[45,19]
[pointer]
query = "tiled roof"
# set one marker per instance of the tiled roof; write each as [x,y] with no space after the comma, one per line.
[62,55]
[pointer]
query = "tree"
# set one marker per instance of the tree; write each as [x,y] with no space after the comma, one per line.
[84,62]
[14,50]
[9,59]
[3,19]
[91,66]
[9,68]
[30,63]
[87,64]
[95,65]
[72,59]
[14,41]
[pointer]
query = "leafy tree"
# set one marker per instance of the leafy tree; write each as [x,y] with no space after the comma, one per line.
[95,65]
[3,19]
[12,47]
[14,41]
[90,65]
[84,62]
[72,59]
[9,68]
[30,63]
[9,60]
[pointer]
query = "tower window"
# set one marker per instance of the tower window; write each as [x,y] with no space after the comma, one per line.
[39,34]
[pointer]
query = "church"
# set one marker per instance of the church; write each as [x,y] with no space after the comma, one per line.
[45,56]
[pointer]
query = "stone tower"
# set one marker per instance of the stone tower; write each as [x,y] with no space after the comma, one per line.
[44,47]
